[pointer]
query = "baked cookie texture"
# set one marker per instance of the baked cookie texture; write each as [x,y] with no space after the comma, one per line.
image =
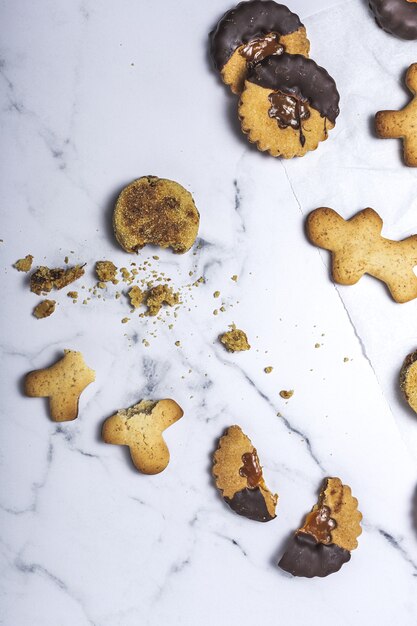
[156,211]
[235,340]
[288,105]
[62,383]
[402,124]
[140,427]
[397,17]
[408,380]
[238,475]
[358,248]
[250,32]
[330,531]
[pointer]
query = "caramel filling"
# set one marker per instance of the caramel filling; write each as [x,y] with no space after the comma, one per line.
[289,110]
[261,47]
[251,469]
[319,524]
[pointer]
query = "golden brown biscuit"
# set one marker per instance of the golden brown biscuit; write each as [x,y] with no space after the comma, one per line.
[156,211]
[288,105]
[358,248]
[330,531]
[250,32]
[402,124]
[239,477]
[408,380]
[140,427]
[62,383]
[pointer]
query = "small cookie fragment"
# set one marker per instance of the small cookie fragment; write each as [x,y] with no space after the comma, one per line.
[397,17]
[44,309]
[62,383]
[44,279]
[106,271]
[408,380]
[286,394]
[136,296]
[329,533]
[402,124]
[288,105]
[239,477]
[249,33]
[159,295]
[358,248]
[24,265]
[140,427]
[235,340]
[156,211]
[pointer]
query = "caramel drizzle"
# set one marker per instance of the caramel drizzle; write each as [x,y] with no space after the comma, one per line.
[251,469]
[319,524]
[259,48]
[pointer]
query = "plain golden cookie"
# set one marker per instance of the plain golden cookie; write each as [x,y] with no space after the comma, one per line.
[358,248]
[402,124]
[62,383]
[140,427]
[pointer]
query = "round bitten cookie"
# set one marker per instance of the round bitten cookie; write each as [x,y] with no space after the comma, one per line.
[251,32]
[397,17]
[288,105]
[239,477]
[156,211]
[330,531]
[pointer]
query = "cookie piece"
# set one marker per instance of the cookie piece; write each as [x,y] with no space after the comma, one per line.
[159,295]
[24,265]
[408,380]
[62,383]
[397,17]
[136,296]
[358,248]
[46,279]
[251,32]
[239,477]
[156,211]
[402,124]
[329,534]
[44,309]
[140,427]
[106,272]
[235,340]
[288,105]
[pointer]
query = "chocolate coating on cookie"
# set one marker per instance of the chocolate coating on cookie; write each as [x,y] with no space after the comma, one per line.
[251,504]
[397,17]
[295,75]
[247,21]
[304,556]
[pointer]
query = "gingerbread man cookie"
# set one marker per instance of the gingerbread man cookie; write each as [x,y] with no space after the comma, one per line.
[402,124]
[140,427]
[358,248]
[62,383]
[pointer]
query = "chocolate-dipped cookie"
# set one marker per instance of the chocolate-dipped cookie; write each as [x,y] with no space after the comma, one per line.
[329,533]
[251,32]
[288,105]
[239,477]
[397,17]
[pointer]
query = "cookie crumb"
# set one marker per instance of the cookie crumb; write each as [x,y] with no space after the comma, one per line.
[286,394]
[136,296]
[317,345]
[45,279]
[235,340]
[24,265]
[268,369]
[106,271]
[215,312]
[44,309]
[158,296]
[72,294]
[346,359]
[216,294]
[178,343]
[234,278]
[125,320]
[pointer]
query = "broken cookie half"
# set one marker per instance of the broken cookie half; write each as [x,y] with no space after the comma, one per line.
[155,211]
[408,379]
[140,427]
[329,534]
[239,477]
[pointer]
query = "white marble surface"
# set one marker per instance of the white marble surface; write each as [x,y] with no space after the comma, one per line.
[95,94]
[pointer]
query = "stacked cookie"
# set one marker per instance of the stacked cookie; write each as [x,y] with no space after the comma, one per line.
[287,102]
